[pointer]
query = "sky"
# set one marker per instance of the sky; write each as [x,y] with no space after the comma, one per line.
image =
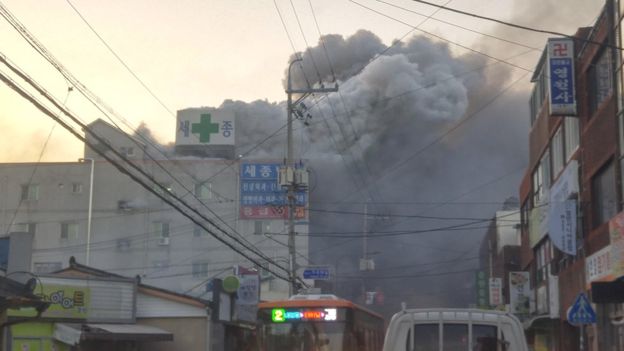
[195,53]
[435,126]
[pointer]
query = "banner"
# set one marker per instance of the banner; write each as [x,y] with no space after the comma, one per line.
[519,292]
[538,225]
[562,210]
[562,225]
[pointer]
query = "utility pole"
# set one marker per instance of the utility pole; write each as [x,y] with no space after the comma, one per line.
[288,177]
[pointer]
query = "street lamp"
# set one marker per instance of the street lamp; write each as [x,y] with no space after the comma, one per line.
[90,207]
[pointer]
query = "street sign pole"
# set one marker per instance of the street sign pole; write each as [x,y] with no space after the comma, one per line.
[292,187]
[580,314]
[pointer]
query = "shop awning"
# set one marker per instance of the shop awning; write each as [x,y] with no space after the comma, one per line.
[72,334]
[535,320]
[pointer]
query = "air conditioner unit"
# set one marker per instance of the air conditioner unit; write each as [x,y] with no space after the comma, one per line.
[163,241]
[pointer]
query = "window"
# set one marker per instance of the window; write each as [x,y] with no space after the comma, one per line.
[30,192]
[69,231]
[571,126]
[600,80]
[258,227]
[123,244]
[76,188]
[203,191]
[541,180]
[425,336]
[556,149]
[200,269]
[47,267]
[161,229]
[30,228]
[198,231]
[160,265]
[127,151]
[165,189]
[538,95]
[604,202]
[544,255]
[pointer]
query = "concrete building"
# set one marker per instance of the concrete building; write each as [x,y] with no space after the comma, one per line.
[571,194]
[500,254]
[130,230]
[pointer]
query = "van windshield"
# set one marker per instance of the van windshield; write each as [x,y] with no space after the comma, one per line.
[455,337]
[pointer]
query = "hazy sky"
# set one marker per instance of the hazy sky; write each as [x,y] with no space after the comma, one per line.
[194,53]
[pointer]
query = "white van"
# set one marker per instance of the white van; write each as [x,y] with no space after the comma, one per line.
[454,330]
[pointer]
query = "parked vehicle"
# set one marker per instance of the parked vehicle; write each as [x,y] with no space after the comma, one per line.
[318,323]
[454,330]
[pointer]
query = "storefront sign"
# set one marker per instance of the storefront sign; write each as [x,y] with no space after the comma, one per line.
[542,300]
[598,266]
[481,285]
[562,210]
[616,233]
[66,302]
[553,296]
[538,224]
[561,85]
[519,292]
[496,291]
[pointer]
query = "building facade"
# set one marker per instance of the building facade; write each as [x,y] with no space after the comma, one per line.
[130,231]
[571,194]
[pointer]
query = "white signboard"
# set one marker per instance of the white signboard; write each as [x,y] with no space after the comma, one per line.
[542,300]
[204,126]
[496,291]
[562,211]
[598,265]
[538,224]
[248,296]
[562,225]
[519,292]
[553,296]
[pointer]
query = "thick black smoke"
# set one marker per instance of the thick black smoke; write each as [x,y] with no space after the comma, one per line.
[380,141]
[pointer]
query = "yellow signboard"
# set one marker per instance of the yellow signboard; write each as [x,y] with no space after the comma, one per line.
[66,302]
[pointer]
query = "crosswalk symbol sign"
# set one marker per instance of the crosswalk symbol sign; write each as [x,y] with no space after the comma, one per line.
[581,311]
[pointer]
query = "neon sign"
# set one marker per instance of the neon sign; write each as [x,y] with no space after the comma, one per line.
[280,315]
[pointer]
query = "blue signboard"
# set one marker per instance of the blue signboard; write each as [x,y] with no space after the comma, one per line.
[260,171]
[581,311]
[561,76]
[261,196]
[316,273]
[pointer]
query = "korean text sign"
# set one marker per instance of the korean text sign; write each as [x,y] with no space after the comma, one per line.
[561,82]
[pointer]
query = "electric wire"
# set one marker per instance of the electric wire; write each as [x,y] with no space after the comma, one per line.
[13,85]
[514,25]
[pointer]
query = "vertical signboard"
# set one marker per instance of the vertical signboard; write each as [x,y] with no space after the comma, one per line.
[562,210]
[553,296]
[261,197]
[561,83]
[248,296]
[481,284]
[519,292]
[496,291]
[616,233]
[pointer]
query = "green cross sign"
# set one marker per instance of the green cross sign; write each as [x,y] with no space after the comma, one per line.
[204,128]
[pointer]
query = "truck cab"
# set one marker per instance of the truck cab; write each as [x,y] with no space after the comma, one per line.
[454,330]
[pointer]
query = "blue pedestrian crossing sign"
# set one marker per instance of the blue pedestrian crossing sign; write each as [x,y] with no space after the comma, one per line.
[581,311]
